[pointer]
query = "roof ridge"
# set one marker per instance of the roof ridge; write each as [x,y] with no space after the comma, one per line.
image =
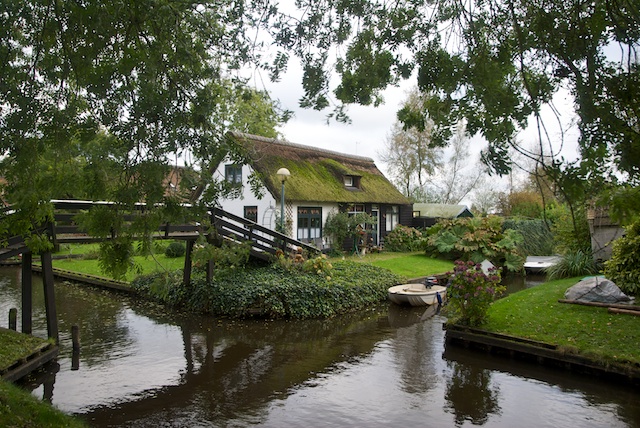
[299,146]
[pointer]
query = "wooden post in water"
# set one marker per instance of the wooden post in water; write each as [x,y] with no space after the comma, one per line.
[27,292]
[186,276]
[49,297]
[13,319]
[75,340]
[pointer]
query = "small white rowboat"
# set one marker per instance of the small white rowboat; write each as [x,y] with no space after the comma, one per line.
[417,294]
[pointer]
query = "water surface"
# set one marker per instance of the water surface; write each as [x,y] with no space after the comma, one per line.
[142,365]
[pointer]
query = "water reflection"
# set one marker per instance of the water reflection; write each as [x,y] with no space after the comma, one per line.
[470,394]
[142,365]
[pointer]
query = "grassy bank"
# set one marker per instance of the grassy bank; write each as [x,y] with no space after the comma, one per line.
[535,313]
[14,345]
[18,408]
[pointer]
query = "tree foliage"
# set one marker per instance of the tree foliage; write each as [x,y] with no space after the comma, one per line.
[98,100]
[497,64]
[410,153]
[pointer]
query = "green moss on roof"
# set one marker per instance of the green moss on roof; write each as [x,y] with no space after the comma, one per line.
[317,175]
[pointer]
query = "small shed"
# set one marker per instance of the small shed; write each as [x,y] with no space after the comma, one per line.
[426,215]
[603,232]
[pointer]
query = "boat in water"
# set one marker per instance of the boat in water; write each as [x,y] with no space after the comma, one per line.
[539,264]
[417,294]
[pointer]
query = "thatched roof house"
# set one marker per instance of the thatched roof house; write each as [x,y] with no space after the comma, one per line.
[321,181]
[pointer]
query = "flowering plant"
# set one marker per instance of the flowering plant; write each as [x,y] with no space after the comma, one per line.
[471,292]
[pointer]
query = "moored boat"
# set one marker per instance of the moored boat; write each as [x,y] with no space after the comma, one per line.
[417,294]
[538,264]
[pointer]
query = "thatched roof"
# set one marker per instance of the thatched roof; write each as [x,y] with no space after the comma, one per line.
[317,175]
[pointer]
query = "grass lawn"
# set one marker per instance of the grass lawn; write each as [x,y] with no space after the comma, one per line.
[535,313]
[409,265]
[146,265]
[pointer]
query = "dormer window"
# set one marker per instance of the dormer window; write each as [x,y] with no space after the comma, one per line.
[351,181]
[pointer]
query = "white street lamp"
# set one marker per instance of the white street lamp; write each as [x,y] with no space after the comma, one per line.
[283,174]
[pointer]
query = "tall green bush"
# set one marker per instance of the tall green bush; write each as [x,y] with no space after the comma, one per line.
[623,267]
[476,239]
[570,229]
[403,238]
[342,226]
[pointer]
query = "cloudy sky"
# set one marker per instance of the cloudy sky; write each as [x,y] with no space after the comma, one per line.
[366,134]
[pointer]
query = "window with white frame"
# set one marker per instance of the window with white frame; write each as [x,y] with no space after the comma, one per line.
[392,217]
[351,181]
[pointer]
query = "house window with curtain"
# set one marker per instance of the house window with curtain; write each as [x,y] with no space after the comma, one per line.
[251,213]
[233,174]
[392,217]
[309,223]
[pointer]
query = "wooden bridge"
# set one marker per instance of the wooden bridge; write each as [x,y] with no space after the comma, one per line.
[66,229]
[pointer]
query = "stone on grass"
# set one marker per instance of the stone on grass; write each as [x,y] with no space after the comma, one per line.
[596,289]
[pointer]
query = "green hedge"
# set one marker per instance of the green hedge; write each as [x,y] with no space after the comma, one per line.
[274,292]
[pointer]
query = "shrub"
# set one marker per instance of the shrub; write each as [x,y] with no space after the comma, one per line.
[319,265]
[570,231]
[573,264]
[471,292]
[175,249]
[340,226]
[624,266]
[403,238]
[274,292]
[225,257]
[476,239]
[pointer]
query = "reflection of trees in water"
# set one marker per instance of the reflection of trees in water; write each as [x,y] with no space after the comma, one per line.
[234,368]
[470,395]
[101,317]
[416,355]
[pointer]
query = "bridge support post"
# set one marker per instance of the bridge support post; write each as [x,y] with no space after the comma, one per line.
[49,296]
[186,276]
[27,292]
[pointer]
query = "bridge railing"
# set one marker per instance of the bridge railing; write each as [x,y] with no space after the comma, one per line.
[263,240]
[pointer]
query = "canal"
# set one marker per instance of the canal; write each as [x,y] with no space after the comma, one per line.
[142,365]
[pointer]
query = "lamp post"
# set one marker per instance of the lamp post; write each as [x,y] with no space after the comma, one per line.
[283,174]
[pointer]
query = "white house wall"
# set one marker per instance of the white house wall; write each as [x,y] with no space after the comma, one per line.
[266,206]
